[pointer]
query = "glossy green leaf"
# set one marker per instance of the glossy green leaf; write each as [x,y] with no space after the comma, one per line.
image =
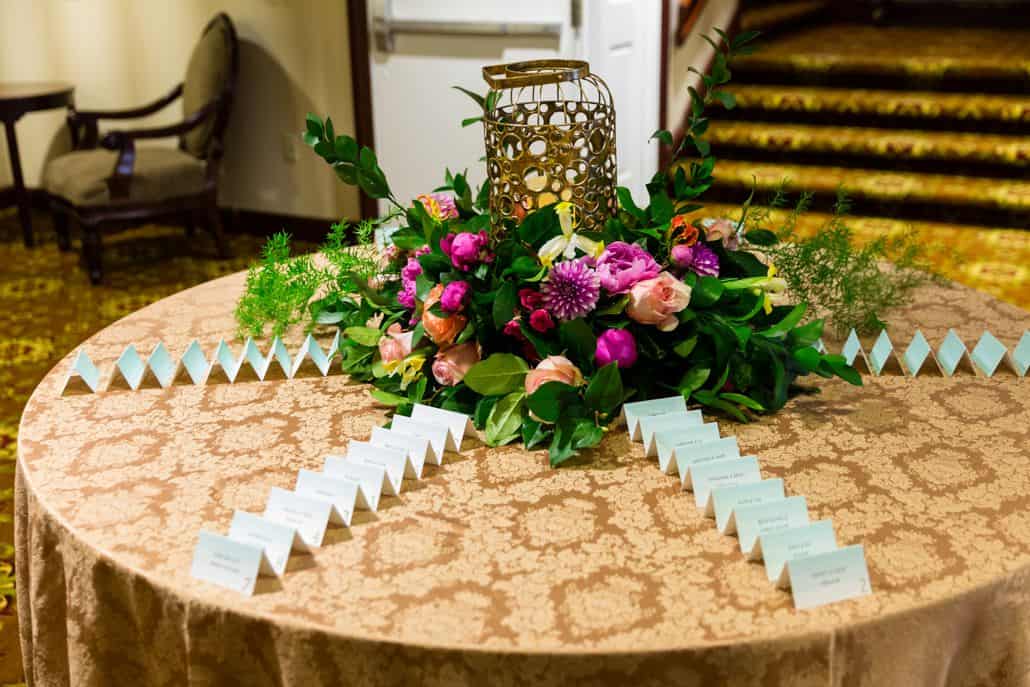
[604,392]
[366,336]
[500,374]
[550,399]
[505,419]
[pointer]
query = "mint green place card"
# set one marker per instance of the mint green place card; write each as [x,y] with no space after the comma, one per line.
[418,448]
[195,363]
[457,424]
[161,365]
[880,353]
[371,479]
[394,461]
[632,412]
[1020,356]
[827,577]
[852,347]
[311,360]
[254,358]
[988,354]
[722,473]
[129,369]
[280,364]
[228,563]
[83,376]
[308,516]
[652,424]
[668,441]
[760,518]
[776,548]
[341,493]
[436,434]
[225,366]
[950,353]
[277,539]
[726,499]
[687,456]
[916,354]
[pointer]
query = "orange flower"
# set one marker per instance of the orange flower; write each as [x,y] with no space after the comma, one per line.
[682,232]
[442,330]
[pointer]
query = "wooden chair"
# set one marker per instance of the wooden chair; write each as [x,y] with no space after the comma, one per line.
[117,185]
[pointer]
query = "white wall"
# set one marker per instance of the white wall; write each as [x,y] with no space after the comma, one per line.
[124,53]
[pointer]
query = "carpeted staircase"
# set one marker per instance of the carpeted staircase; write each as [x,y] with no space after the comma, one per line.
[919,123]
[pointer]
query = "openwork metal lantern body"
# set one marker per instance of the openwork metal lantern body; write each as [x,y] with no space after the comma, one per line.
[550,137]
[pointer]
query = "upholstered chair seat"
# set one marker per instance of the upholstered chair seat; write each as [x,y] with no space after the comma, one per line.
[159,174]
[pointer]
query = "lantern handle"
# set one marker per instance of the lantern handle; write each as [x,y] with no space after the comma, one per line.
[534,73]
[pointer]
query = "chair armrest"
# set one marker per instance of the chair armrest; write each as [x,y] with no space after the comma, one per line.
[125,143]
[83,123]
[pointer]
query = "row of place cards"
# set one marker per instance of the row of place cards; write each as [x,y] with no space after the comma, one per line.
[798,553]
[952,356]
[297,520]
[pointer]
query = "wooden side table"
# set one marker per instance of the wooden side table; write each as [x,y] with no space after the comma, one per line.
[15,100]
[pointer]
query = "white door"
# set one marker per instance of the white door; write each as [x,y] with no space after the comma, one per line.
[420,49]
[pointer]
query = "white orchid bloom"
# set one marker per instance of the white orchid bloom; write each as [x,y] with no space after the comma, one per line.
[568,242]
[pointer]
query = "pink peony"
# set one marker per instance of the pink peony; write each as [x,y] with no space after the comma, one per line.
[553,368]
[540,320]
[656,301]
[622,265]
[451,364]
[454,296]
[466,250]
[616,346]
[396,344]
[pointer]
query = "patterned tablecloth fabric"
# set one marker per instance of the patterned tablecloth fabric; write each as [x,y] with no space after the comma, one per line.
[496,569]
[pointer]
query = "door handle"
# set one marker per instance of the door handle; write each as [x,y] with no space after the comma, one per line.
[385,27]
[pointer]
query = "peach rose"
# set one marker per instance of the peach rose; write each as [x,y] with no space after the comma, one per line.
[553,368]
[451,364]
[656,301]
[442,330]
[396,345]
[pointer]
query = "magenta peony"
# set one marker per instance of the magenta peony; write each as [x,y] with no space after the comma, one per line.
[454,296]
[466,250]
[622,265]
[616,346]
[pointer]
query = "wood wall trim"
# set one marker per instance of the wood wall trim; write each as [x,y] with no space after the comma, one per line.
[361,81]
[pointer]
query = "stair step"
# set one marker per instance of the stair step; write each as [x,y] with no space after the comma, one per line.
[974,59]
[889,144]
[911,107]
[936,196]
[767,18]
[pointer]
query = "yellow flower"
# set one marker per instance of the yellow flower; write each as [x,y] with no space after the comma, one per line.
[568,241]
[410,368]
[771,285]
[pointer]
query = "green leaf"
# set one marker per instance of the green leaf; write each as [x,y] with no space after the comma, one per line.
[693,379]
[561,444]
[743,400]
[604,392]
[539,226]
[314,125]
[386,398]
[805,335]
[550,399]
[684,348]
[586,434]
[470,121]
[501,373]
[843,370]
[706,292]
[727,99]
[789,321]
[808,358]
[627,204]
[662,135]
[480,100]
[578,338]
[484,406]
[505,419]
[423,285]
[504,304]
[533,433]
[728,408]
[366,336]
[346,148]
[615,308]
[761,237]
[661,208]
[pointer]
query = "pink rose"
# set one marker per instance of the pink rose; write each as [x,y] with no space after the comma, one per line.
[540,320]
[722,230]
[451,364]
[553,368]
[656,301]
[396,344]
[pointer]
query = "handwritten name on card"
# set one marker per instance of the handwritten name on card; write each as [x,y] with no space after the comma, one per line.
[457,424]
[667,422]
[632,412]
[722,473]
[828,577]
[371,479]
[797,542]
[395,462]
[688,456]
[757,519]
[436,434]
[725,499]
[418,449]
[666,442]
[228,563]
[308,516]
[277,539]
[343,494]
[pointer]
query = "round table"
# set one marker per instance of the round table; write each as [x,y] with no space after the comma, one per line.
[496,569]
[15,100]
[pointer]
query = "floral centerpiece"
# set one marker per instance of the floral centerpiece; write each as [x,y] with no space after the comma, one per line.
[541,331]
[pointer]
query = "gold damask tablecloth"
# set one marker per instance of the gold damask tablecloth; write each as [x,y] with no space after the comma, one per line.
[496,569]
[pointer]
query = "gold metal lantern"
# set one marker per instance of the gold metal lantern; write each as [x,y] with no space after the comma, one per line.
[550,137]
